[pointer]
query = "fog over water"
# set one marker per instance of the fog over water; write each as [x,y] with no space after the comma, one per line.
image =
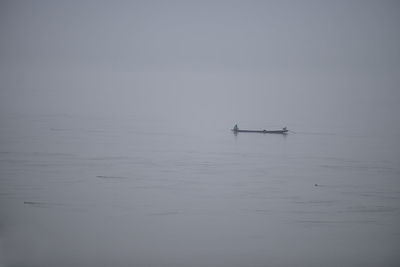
[115,141]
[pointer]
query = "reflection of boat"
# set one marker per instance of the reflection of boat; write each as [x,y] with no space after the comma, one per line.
[283,131]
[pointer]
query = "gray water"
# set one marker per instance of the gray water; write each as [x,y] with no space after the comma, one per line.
[87,191]
[115,141]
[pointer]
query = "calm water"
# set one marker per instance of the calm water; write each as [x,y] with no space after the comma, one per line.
[80,191]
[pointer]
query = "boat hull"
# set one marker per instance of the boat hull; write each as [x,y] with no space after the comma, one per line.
[261,131]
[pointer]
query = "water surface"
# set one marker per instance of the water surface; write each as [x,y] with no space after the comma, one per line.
[86,191]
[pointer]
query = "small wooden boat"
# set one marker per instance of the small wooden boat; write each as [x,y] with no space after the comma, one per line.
[283,131]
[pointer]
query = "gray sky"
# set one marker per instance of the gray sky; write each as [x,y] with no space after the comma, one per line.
[208,62]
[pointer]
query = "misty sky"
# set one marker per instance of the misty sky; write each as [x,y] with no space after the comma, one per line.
[208,62]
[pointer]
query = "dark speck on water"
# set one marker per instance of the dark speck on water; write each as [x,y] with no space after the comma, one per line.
[110,177]
[32,203]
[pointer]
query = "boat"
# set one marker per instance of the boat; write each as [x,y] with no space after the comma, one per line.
[283,131]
